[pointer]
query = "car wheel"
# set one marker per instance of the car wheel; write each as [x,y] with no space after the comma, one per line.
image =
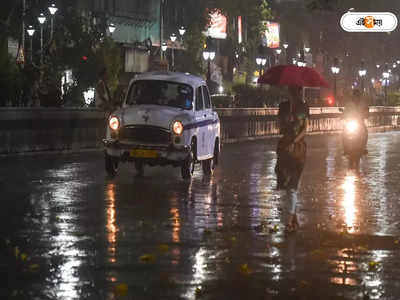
[187,168]
[111,164]
[209,164]
[139,166]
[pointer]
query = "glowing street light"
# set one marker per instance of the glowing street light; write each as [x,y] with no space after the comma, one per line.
[182,30]
[52,9]
[164,47]
[208,57]
[111,28]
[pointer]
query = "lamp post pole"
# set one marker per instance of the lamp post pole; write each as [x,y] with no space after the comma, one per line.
[161,26]
[258,62]
[41,20]
[173,39]
[52,9]
[362,74]
[31,32]
[286,45]
[386,76]
[335,70]
[208,56]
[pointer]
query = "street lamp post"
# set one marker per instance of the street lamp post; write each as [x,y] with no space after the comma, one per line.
[208,57]
[173,39]
[52,9]
[164,48]
[42,20]
[182,31]
[335,70]
[285,46]
[362,72]
[258,62]
[386,76]
[278,52]
[31,32]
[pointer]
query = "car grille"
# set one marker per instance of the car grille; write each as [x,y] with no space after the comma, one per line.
[145,134]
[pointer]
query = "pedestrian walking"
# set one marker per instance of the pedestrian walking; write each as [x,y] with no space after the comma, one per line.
[291,151]
[293,117]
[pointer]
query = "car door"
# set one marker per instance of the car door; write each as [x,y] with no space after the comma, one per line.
[200,129]
[209,118]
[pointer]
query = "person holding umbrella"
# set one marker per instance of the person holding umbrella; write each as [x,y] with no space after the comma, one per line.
[291,151]
[292,120]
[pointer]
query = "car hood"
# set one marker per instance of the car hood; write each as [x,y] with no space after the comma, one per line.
[153,115]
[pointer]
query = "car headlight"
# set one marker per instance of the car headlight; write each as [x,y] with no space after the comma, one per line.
[177,127]
[114,123]
[351,126]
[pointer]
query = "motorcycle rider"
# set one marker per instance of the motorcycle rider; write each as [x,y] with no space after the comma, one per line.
[356,108]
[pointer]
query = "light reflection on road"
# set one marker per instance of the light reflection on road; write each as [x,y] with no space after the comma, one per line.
[111,222]
[349,202]
[65,238]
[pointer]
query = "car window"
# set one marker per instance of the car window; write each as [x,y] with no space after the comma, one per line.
[207,100]
[199,99]
[159,92]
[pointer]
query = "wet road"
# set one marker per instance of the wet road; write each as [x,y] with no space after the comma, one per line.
[69,232]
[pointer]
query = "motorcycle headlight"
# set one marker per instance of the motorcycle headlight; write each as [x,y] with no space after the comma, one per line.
[177,127]
[114,123]
[352,126]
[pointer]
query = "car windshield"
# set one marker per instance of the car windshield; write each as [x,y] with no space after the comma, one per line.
[158,92]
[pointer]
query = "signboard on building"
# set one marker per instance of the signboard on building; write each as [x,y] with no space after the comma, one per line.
[217,26]
[270,35]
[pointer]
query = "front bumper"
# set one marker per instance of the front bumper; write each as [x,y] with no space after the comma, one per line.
[165,153]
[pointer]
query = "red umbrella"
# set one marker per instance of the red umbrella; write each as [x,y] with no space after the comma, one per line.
[294,76]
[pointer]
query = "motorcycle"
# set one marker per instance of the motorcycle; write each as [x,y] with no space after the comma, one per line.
[354,140]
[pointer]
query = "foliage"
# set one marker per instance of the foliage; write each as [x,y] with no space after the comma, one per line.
[393,99]
[77,44]
[10,79]
[194,41]
[258,96]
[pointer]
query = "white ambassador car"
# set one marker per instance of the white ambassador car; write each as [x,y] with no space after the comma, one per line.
[166,119]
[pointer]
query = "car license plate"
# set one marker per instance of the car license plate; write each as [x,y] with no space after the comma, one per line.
[142,153]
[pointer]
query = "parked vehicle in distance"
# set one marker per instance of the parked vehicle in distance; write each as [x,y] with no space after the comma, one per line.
[166,119]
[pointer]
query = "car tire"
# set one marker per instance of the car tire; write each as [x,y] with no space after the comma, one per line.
[209,164]
[111,165]
[187,168]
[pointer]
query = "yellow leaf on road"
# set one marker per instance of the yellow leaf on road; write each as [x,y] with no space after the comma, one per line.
[373,265]
[198,291]
[121,290]
[244,269]
[147,258]
[34,267]
[24,257]
[163,248]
